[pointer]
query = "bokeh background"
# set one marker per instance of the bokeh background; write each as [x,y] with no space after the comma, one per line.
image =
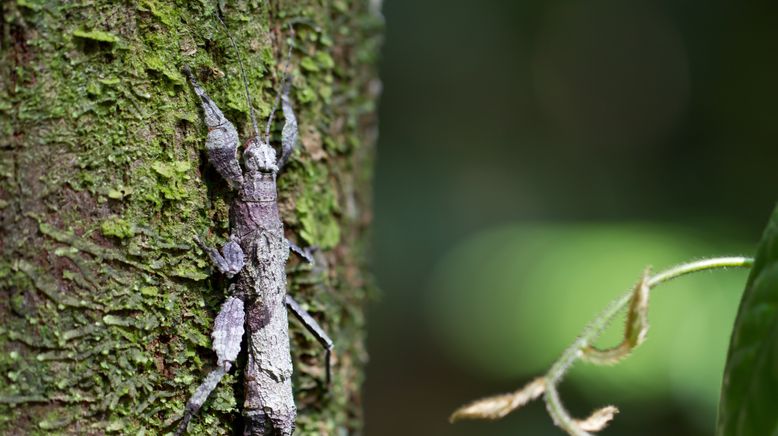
[534,157]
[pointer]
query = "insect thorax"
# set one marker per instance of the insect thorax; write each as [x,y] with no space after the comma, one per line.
[255,206]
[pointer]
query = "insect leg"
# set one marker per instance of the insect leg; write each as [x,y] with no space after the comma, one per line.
[227,335]
[289,132]
[315,329]
[201,394]
[305,253]
[230,261]
[222,140]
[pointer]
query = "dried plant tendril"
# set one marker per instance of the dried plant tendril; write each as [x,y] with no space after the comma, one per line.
[635,331]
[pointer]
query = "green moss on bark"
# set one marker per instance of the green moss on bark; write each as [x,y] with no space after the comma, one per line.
[106,303]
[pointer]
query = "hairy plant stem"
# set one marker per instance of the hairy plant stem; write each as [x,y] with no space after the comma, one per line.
[592,331]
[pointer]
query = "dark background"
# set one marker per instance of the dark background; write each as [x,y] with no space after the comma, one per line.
[564,145]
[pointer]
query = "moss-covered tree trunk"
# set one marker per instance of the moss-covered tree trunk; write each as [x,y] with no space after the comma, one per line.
[106,303]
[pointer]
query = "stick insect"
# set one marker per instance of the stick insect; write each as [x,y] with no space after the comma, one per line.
[254,262]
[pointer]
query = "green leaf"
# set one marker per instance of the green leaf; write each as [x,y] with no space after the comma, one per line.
[749,393]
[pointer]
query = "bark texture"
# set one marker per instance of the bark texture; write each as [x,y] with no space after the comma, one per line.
[106,302]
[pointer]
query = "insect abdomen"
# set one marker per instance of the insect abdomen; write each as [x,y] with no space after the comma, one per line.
[269,405]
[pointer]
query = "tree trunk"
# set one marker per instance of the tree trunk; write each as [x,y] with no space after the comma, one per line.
[106,302]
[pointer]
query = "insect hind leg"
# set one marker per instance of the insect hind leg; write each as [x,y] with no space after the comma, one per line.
[316,330]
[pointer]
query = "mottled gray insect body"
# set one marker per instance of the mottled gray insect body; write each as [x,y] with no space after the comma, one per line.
[269,368]
[255,260]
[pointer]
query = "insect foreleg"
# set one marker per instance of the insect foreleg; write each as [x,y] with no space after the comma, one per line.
[289,131]
[222,140]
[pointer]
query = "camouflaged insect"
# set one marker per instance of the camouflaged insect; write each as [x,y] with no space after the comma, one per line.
[254,262]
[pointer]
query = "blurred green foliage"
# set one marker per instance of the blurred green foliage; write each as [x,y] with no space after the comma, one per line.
[507,301]
[597,114]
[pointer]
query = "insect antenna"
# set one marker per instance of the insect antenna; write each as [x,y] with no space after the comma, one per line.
[242,73]
[283,85]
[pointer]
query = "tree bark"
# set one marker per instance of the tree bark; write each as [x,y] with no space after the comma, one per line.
[106,302]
